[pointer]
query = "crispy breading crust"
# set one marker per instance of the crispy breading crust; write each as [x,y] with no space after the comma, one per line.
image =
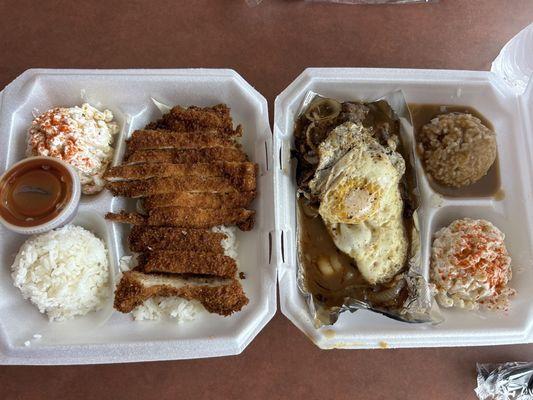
[202,217]
[224,299]
[126,218]
[150,139]
[162,170]
[195,118]
[187,262]
[189,156]
[153,186]
[199,200]
[146,238]
[189,217]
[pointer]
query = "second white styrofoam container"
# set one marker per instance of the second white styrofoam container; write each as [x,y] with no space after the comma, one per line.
[108,336]
[511,114]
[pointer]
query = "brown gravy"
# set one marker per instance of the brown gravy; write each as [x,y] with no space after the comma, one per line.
[341,280]
[315,243]
[489,185]
[34,192]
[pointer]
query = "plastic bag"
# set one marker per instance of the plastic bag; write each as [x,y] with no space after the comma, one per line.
[507,381]
[374,1]
[253,3]
[515,61]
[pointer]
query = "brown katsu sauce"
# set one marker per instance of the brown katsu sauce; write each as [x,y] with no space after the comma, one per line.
[34,192]
[489,185]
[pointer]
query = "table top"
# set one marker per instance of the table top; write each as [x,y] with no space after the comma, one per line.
[269,45]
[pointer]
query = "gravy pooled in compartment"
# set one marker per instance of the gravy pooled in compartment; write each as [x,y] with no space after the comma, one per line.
[329,273]
[34,193]
[488,185]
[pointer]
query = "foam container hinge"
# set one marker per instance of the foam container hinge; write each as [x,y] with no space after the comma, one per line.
[511,115]
[108,336]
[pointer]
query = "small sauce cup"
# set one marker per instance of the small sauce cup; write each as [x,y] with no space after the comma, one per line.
[38,194]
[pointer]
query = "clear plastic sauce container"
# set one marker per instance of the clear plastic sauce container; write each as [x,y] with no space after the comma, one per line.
[38,194]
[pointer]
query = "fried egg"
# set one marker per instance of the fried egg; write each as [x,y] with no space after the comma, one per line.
[357,182]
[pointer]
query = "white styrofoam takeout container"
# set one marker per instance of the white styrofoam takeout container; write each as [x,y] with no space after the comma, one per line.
[511,112]
[108,336]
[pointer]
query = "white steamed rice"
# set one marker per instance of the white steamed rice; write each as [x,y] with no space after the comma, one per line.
[64,272]
[176,308]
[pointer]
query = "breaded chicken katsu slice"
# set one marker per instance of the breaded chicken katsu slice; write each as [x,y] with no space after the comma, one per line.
[220,296]
[199,200]
[162,170]
[150,139]
[187,156]
[198,118]
[151,238]
[194,183]
[185,217]
[187,262]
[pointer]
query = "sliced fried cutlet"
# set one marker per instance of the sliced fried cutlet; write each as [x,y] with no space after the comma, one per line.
[187,262]
[162,170]
[187,156]
[183,217]
[220,296]
[150,139]
[199,200]
[126,218]
[195,118]
[153,186]
[201,217]
[147,238]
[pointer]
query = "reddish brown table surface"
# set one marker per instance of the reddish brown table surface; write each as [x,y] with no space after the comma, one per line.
[269,45]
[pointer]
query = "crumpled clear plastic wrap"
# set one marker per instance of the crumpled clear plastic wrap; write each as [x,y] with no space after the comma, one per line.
[253,3]
[419,306]
[374,1]
[507,381]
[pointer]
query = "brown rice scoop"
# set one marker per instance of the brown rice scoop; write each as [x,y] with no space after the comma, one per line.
[457,149]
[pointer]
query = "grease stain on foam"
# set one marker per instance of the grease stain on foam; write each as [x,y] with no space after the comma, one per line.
[499,195]
[383,345]
[344,345]
[436,200]
[329,333]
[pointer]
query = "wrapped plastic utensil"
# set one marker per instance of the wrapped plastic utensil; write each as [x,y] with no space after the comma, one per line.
[252,3]
[375,1]
[511,380]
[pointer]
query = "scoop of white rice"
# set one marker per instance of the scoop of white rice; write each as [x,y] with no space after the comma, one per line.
[156,308]
[230,243]
[181,310]
[64,272]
